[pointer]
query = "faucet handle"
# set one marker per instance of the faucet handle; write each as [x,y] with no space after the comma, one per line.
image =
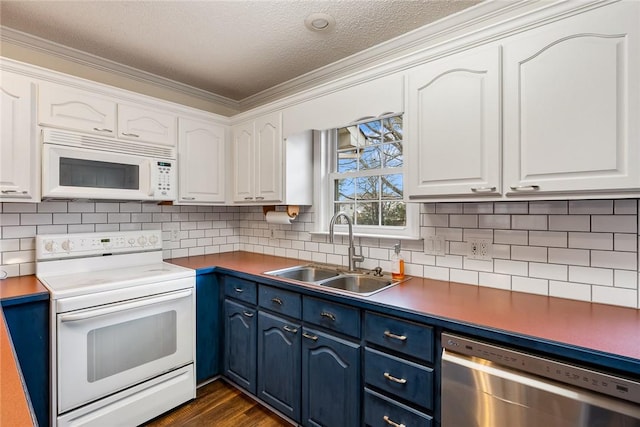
[377,271]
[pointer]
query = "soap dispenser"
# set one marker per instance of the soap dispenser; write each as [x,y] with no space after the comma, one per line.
[397,263]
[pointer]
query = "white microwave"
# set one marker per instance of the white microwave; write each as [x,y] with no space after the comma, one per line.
[77,166]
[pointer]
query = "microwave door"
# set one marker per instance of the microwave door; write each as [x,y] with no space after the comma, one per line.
[90,174]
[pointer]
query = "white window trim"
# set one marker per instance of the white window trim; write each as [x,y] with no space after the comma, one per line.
[323,199]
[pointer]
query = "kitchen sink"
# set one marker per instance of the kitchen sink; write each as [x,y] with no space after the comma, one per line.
[307,273]
[335,278]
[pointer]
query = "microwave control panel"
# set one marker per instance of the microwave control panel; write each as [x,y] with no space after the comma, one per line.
[165,182]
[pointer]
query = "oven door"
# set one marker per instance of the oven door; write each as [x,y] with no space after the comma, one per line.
[70,172]
[104,349]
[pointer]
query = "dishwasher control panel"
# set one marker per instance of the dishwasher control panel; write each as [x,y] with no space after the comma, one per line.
[575,375]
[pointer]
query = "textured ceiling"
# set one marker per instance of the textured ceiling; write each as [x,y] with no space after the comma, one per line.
[230,48]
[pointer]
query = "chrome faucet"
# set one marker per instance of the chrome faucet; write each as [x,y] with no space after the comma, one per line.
[353,258]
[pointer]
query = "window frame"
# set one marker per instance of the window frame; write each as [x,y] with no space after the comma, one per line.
[326,153]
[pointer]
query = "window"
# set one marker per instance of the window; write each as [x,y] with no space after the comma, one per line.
[366,177]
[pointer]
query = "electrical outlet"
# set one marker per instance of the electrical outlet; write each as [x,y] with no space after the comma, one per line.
[175,235]
[480,249]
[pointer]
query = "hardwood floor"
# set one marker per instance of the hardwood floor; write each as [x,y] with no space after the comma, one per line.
[221,405]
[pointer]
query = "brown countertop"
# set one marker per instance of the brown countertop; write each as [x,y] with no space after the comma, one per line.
[599,327]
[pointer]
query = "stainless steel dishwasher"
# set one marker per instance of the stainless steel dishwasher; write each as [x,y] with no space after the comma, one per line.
[484,385]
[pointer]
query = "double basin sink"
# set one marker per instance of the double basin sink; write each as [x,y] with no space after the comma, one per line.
[363,283]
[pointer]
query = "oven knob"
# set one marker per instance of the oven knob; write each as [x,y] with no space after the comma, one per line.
[50,246]
[67,245]
[142,240]
[153,240]
[132,241]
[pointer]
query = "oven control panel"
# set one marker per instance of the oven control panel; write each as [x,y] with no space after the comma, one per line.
[57,246]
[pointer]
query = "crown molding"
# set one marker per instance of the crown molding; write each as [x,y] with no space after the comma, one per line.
[66,53]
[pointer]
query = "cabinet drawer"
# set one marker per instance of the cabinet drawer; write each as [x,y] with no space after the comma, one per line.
[337,317]
[407,380]
[405,337]
[280,301]
[240,289]
[380,411]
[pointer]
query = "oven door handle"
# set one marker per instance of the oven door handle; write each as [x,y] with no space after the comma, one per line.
[122,307]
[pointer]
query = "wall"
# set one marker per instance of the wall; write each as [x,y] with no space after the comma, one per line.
[584,250]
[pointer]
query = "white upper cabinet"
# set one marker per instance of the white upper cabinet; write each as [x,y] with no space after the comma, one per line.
[143,124]
[68,108]
[572,93]
[20,159]
[453,126]
[257,160]
[270,169]
[268,158]
[201,162]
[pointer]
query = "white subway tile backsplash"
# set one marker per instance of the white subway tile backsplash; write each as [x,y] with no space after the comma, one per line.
[570,249]
[548,238]
[569,290]
[529,222]
[548,271]
[529,253]
[569,256]
[530,285]
[619,260]
[570,222]
[463,276]
[591,275]
[614,223]
[581,240]
[591,207]
[511,237]
[555,207]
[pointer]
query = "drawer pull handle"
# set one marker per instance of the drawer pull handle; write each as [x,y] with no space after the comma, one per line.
[102,130]
[276,300]
[328,315]
[247,314]
[483,189]
[134,135]
[290,329]
[239,290]
[394,379]
[248,198]
[309,336]
[394,336]
[525,187]
[391,423]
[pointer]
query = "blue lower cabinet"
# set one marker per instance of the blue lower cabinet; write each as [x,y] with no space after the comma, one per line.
[330,380]
[279,361]
[241,329]
[380,411]
[28,324]
[208,329]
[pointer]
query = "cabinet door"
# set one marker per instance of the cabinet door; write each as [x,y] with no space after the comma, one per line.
[142,124]
[572,94]
[243,168]
[20,160]
[240,345]
[269,158]
[330,380]
[208,330]
[64,107]
[201,151]
[453,126]
[279,364]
